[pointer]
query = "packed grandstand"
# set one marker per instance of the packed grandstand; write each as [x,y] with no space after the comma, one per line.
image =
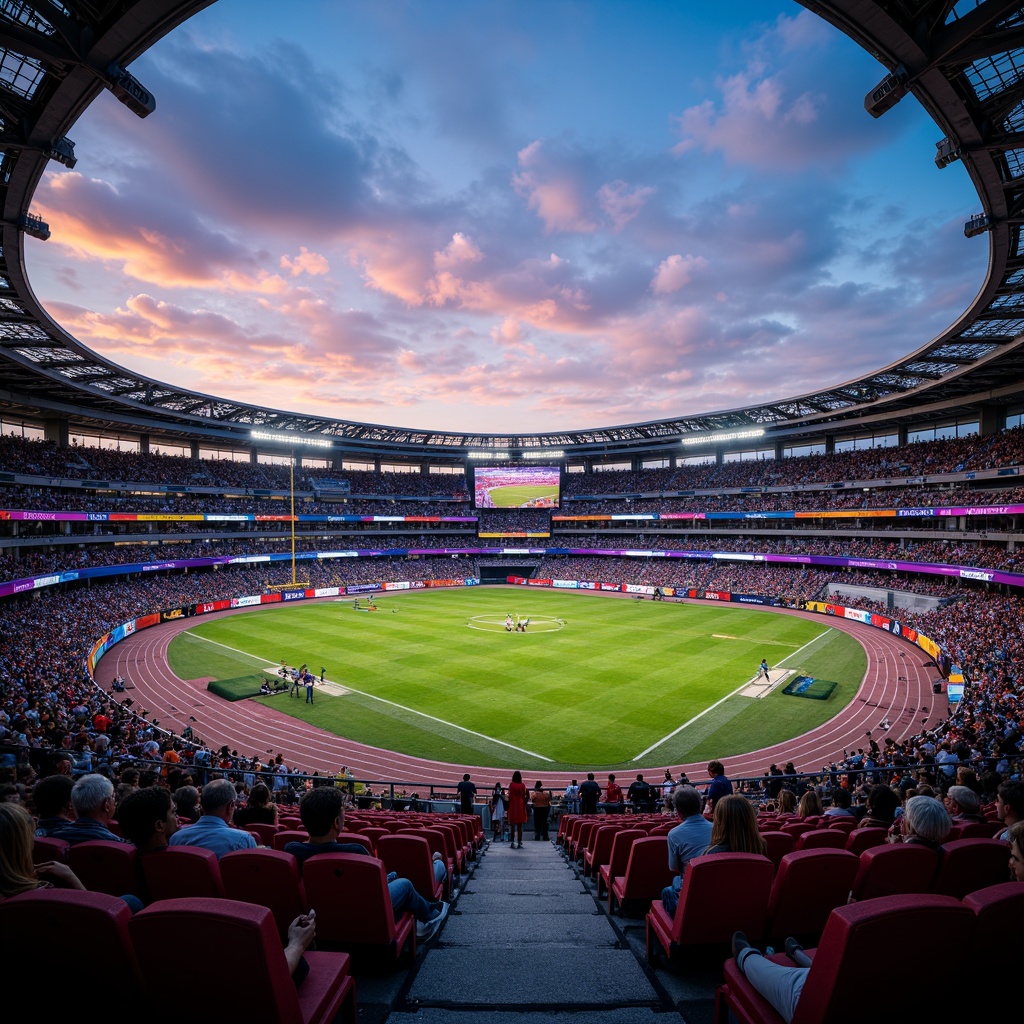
[894,502]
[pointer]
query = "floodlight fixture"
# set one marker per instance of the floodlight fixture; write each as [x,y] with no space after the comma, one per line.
[888,92]
[946,152]
[291,439]
[977,225]
[34,225]
[130,91]
[63,151]
[723,436]
[488,455]
[547,453]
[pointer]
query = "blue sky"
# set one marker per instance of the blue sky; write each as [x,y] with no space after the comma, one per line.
[505,217]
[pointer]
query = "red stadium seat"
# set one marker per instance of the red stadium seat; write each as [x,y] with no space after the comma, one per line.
[848,952]
[617,860]
[246,942]
[967,865]
[894,869]
[409,857]
[183,871]
[861,839]
[105,866]
[647,873]
[353,907]
[47,848]
[721,892]
[821,838]
[270,878]
[808,886]
[779,844]
[37,925]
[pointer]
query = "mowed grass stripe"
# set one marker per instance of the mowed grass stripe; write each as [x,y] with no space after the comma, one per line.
[613,681]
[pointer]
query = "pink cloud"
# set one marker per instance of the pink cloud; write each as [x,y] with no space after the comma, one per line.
[621,202]
[675,272]
[312,263]
[555,194]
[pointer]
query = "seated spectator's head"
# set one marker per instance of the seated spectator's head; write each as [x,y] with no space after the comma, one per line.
[186,797]
[260,795]
[735,825]
[926,818]
[961,800]
[52,797]
[320,809]
[1009,802]
[810,804]
[882,802]
[686,801]
[17,872]
[92,796]
[786,801]
[218,798]
[1017,851]
[146,817]
[841,797]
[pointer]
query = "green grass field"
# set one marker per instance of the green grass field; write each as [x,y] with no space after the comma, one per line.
[517,495]
[594,682]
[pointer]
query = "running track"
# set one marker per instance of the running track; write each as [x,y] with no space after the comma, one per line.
[897,685]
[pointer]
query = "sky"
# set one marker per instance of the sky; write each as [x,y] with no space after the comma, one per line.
[480,215]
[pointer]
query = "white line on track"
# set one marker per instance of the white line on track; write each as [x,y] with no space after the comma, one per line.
[742,686]
[401,707]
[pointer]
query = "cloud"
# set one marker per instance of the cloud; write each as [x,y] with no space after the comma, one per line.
[675,272]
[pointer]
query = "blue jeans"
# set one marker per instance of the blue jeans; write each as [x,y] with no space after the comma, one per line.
[405,897]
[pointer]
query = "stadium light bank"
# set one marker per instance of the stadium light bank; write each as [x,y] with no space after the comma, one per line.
[729,435]
[290,439]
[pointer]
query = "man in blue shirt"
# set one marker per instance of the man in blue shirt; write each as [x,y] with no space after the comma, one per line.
[213,830]
[689,839]
[720,785]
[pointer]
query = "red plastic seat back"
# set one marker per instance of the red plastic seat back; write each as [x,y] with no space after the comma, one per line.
[861,839]
[894,869]
[350,894]
[848,952]
[722,893]
[105,866]
[409,857]
[647,871]
[39,925]
[808,886]
[269,878]
[181,872]
[779,843]
[967,865]
[999,911]
[45,848]
[821,838]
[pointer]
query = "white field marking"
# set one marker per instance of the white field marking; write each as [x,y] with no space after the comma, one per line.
[245,654]
[741,687]
[401,707]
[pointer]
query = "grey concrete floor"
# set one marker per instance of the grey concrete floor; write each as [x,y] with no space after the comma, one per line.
[527,937]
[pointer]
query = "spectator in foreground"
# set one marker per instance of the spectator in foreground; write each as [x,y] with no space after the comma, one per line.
[52,797]
[924,822]
[17,872]
[963,805]
[734,829]
[213,830]
[92,797]
[689,839]
[1017,852]
[323,816]
[1009,806]
[148,819]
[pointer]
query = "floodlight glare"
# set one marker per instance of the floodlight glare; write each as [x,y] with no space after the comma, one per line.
[290,439]
[729,435]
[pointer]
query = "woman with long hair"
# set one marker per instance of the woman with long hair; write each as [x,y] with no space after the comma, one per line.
[786,801]
[499,802]
[17,872]
[810,805]
[734,828]
[518,812]
[259,810]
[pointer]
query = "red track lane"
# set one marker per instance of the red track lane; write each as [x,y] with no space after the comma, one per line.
[896,685]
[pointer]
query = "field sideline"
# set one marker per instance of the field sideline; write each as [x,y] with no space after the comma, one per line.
[602,682]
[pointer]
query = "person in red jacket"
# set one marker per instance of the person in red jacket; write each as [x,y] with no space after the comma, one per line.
[518,801]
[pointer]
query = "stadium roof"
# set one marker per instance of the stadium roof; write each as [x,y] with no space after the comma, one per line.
[964,62]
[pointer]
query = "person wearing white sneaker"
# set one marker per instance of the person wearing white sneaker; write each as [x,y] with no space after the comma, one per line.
[426,930]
